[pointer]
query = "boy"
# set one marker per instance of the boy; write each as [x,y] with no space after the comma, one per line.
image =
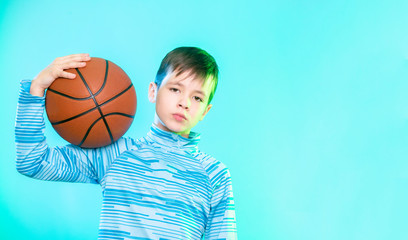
[157,187]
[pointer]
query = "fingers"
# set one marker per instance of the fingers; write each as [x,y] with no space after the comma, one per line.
[67,60]
[72,64]
[58,69]
[78,57]
[67,75]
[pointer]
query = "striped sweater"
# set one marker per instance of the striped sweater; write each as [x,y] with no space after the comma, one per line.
[157,187]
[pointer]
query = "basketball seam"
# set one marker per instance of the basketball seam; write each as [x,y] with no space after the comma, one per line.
[96,103]
[85,98]
[90,128]
[104,80]
[89,110]
[67,96]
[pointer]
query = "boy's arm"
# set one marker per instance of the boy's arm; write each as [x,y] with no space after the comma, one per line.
[69,163]
[221,223]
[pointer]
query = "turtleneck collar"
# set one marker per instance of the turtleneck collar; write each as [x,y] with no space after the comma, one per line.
[172,140]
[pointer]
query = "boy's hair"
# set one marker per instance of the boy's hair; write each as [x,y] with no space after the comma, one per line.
[199,62]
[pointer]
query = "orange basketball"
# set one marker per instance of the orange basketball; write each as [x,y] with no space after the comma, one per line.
[94,109]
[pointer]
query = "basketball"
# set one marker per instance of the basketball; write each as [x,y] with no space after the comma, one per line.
[96,108]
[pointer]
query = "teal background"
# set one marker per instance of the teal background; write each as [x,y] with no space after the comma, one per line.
[310,114]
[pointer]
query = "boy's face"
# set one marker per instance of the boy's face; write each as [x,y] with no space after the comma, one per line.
[181,102]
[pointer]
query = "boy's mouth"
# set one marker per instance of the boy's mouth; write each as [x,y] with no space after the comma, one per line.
[179,117]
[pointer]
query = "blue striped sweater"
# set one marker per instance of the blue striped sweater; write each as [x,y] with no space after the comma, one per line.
[157,187]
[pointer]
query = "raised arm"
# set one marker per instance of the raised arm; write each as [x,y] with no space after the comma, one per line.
[34,157]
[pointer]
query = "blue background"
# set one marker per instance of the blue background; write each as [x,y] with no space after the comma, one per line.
[310,113]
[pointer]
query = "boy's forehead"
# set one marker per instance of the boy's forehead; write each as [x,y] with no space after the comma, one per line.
[184,78]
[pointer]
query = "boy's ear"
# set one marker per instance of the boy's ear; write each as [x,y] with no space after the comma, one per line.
[152,92]
[206,111]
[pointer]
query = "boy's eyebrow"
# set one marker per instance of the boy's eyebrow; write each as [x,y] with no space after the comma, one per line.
[182,85]
[201,92]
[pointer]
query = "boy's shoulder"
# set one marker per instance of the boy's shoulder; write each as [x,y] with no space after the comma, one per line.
[215,169]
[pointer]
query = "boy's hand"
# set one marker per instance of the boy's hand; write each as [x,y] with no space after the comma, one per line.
[55,70]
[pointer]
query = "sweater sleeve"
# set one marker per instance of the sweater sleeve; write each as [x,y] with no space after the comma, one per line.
[221,222]
[34,158]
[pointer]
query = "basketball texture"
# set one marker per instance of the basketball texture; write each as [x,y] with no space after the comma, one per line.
[96,108]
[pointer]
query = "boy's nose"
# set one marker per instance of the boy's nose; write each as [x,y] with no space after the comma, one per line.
[184,102]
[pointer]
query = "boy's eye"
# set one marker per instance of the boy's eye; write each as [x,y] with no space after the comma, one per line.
[173,89]
[198,99]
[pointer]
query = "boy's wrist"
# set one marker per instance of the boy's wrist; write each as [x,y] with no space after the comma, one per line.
[36,90]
